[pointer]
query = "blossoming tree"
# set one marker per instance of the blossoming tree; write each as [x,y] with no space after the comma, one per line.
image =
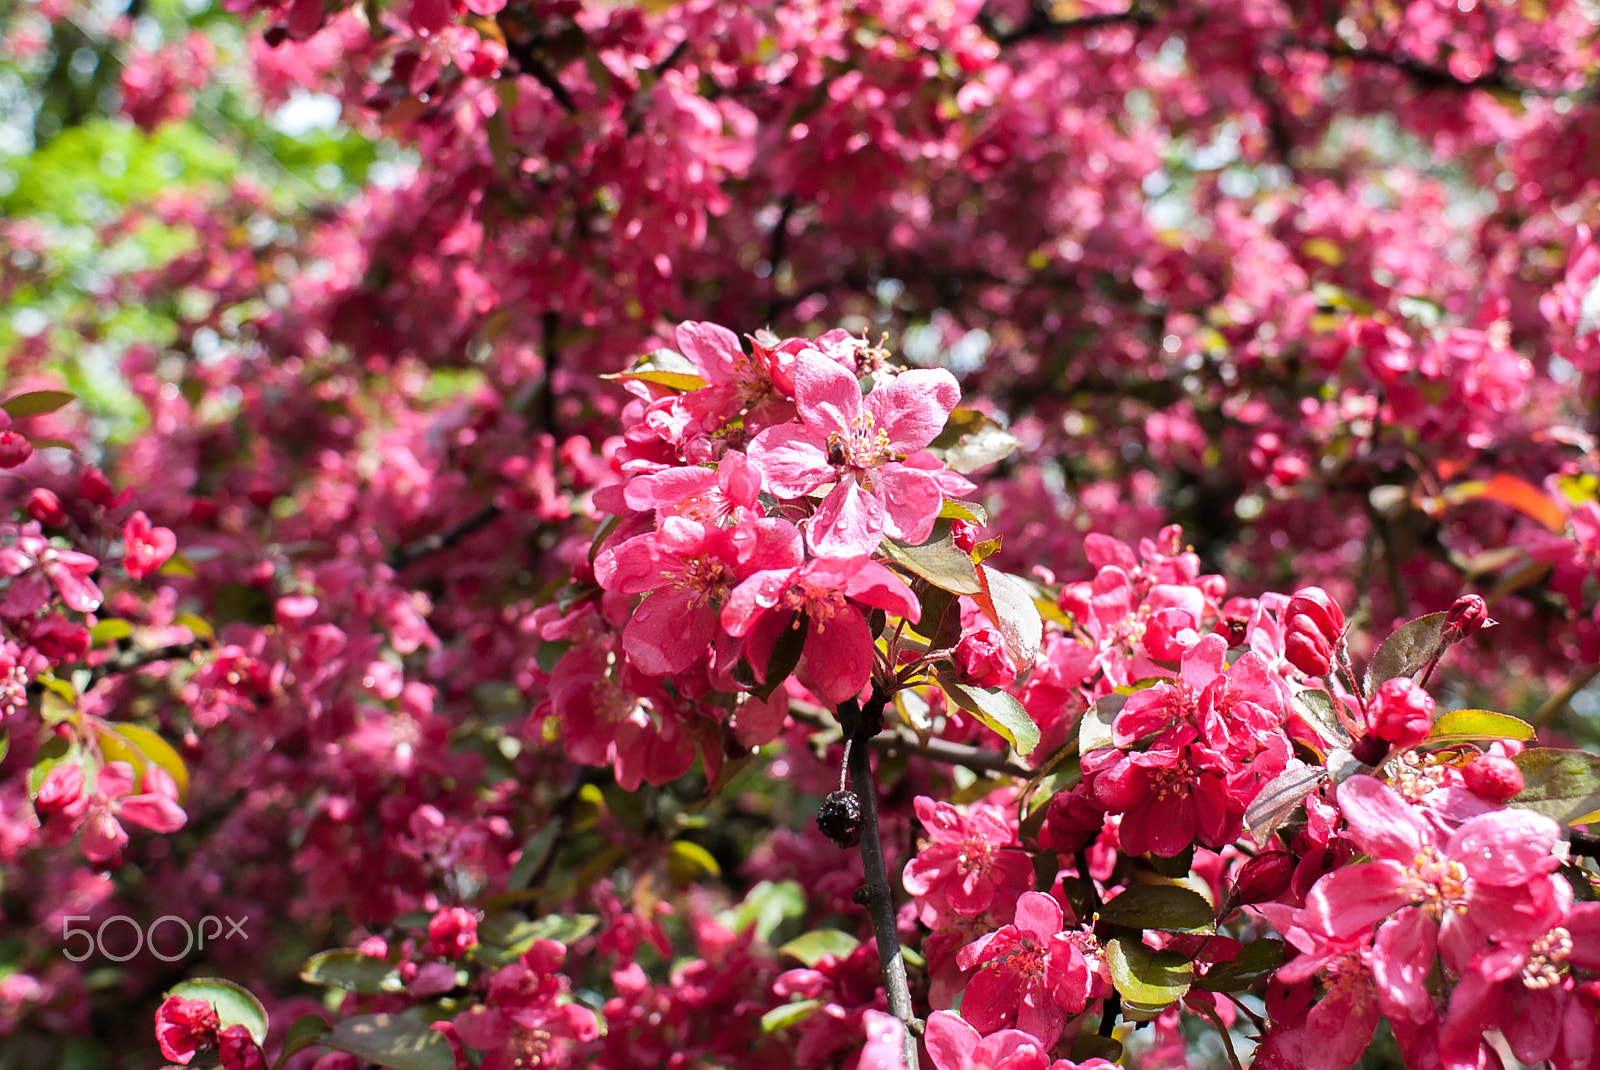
[717,534]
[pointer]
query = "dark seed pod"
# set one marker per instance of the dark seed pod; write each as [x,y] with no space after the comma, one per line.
[840,818]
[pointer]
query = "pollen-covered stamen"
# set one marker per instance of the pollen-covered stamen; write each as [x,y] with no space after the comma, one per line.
[1347,979]
[1027,959]
[820,603]
[861,445]
[706,578]
[1417,775]
[1544,967]
[1174,781]
[1438,883]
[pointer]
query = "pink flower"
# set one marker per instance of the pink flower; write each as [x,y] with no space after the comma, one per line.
[970,867]
[34,563]
[156,808]
[185,1027]
[451,932]
[1032,975]
[828,593]
[238,1050]
[689,569]
[954,1045]
[868,448]
[147,548]
[1479,899]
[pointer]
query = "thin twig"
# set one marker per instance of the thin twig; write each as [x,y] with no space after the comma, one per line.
[401,556]
[132,660]
[938,750]
[1552,706]
[879,899]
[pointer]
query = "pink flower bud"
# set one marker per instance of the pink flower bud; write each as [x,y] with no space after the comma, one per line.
[980,658]
[965,534]
[1466,615]
[61,802]
[1401,713]
[14,449]
[45,507]
[452,931]
[1170,633]
[1072,822]
[238,1050]
[95,487]
[1493,776]
[1313,629]
[1263,878]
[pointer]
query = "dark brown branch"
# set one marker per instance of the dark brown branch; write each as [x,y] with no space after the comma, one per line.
[860,726]
[402,556]
[1040,24]
[936,750]
[133,660]
[1419,72]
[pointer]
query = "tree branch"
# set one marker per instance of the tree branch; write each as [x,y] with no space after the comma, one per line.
[936,750]
[1040,24]
[402,556]
[1551,708]
[861,725]
[132,660]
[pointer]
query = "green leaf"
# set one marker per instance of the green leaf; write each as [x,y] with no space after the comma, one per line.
[971,440]
[392,1041]
[787,1014]
[515,934]
[1094,1046]
[939,561]
[971,512]
[1405,651]
[1007,602]
[1094,731]
[307,1031]
[198,626]
[812,946]
[1278,800]
[1148,979]
[109,631]
[36,403]
[1316,708]
[178,565]
[687,860]
[1159,906]
[664,367]
[1256,960]
[1563,784]
[994,708]
[234,1004]
[766,906]
[351,970]
[1459,725]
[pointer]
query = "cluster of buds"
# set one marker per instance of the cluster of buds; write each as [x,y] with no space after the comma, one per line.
[1313,631]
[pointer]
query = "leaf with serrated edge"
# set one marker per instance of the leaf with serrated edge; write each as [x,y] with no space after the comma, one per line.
[1094,731]
[1316,709]
[996,709]
[233,1003]
[393,1041]
[1562,784]
[1279,798]
[1255,960]
[1146,977]
[1457,726]
[1159,906]
[939,561]
[1405,650]
[1008,604]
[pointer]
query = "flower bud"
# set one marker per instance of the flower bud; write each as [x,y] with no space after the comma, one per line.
[1263,878]
[1401,713]
[840,818]
[45,507]
[980,659]
[1072,822]
[1313,630]
[14,449]
[965,535]
[452,931]
[1466,615]
[1493,776]
[95,487]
